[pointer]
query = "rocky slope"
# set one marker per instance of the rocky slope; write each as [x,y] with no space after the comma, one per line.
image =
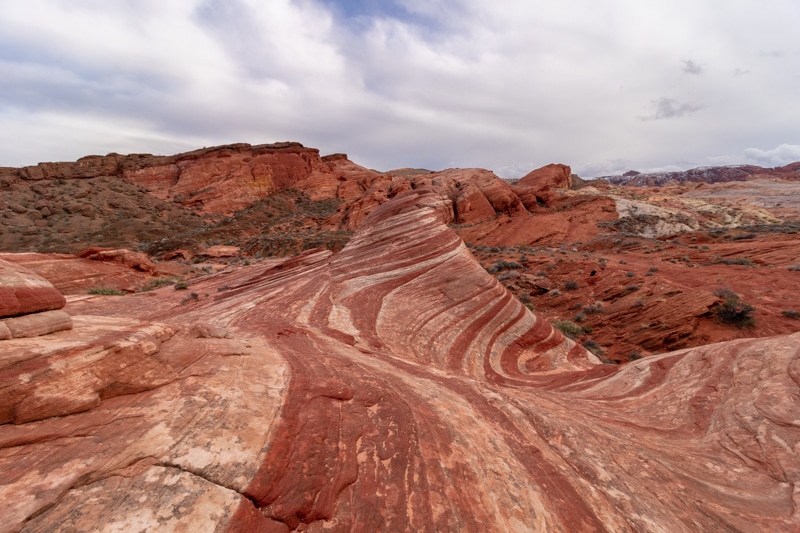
[219,207]
[393,386]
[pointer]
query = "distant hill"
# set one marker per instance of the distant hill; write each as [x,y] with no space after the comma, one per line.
[704,175]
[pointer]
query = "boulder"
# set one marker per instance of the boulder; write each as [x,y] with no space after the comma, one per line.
[36,324]
[535,187]
[22,292]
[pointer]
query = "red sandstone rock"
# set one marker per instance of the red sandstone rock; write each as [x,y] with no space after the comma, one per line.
[134,260]
[394,386]
[35,324]
[221,251]
[23,292]
[536,187]
[74,275]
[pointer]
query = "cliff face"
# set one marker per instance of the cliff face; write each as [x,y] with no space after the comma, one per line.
[393,386]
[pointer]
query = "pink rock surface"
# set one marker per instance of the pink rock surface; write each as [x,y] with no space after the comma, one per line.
[23,292]
[393,386]
[70,274]
[35,324]
[135,260]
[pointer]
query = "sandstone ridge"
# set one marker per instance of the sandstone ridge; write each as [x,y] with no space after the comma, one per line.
[392,386]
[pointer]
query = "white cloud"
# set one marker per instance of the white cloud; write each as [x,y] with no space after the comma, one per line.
[506,85]
[782,155]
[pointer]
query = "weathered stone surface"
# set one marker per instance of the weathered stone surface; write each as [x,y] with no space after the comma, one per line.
[135,260]
[36,324]
[221,251]
[535,187]
[393,386]
[125,271]
[23,292]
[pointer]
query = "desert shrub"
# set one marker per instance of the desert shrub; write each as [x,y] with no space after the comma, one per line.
[504,265]
[652,269]
[634,355]
[181,286]
[631,288]
[580,317]
[569,329]
[795,267]
[156,283]
[106,291]
[512,274]
[525,299]
[542,273]
[732,310]
[725,293]
[791,313]
[570,285]
[593,347]
[630,274]
[595,308]
[735,261]
[193,297]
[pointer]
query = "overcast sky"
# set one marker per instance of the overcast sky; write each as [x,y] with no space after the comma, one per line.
[604,86]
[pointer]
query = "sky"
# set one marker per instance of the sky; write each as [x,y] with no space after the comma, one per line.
[510,86]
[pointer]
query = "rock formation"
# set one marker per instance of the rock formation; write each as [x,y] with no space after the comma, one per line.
[393,386]
[29,304]
[711,174]
[536,187]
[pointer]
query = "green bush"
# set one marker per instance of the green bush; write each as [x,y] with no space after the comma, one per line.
[593,347]
[156,283]
[106,291]
[569,329]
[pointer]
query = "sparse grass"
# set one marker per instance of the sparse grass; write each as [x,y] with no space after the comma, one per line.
[512,274]
[568,328]
[595,308]
[156,283]
[193,297]
[735,261]
[503,265]
[106,291]
[593,347]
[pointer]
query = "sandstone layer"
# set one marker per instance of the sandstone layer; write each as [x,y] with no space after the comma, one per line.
[393,386]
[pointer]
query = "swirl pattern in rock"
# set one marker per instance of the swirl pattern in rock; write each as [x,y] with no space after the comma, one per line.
[394,386]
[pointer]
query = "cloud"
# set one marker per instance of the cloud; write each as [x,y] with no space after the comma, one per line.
[670,108]
[690,67]
[779,156]
[508,86]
